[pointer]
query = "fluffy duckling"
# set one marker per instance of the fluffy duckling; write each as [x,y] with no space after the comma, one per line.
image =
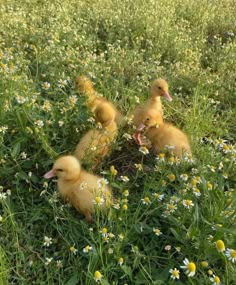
[85,86]
[159,89]
[79,187]
[163,135]
[95,144]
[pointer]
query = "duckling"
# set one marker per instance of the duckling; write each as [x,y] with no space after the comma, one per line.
[163,135]
[79,187]
[95,144]
[85,86]
[159,89]
[149,117]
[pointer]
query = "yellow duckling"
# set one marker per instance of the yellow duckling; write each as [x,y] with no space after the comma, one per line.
[159,89]
[80,188]
[95,144]
[85,86]
[164,135]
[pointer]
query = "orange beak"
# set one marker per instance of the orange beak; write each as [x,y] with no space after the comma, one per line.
[50,174]
[167,96]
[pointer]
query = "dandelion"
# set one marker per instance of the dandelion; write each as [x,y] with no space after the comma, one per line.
[174,273]
[215,280]
[157,231]
[98,201]
[220,246]
[171,177]
[87,248]
[73,250]
[113,170]
[190,267]
[231,254]
[124,178]
[97,276]
[188,204]
[47,241]
[120,261]
[146,201]
[48,260]
[143,150]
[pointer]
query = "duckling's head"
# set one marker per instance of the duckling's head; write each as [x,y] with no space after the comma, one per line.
[105,114]
[151,118]
[160,88]
[84,84]
[66,167]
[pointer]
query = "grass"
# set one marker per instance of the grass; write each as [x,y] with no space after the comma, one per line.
[122,46]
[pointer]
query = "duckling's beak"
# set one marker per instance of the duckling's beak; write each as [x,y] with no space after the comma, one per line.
[167,96]
[50,174]
[141,127]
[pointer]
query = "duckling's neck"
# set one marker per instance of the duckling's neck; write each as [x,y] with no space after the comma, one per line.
[155,99]
[112,127]
[153,131]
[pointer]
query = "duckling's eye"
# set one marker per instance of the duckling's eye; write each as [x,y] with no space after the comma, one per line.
[159,87]
[59,169]
[148,119]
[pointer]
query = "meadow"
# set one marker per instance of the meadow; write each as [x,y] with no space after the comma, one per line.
[168,214]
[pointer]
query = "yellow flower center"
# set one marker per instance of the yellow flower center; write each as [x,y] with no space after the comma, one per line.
[204,263]
[104,230]
[191,267]
[125,207]
[146,200]
[188,202]
[97,275]
[217,280]
[162,155]
[171,206]
[98,200]
[233,253]
[175,273]
[171,177]
[220,246]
